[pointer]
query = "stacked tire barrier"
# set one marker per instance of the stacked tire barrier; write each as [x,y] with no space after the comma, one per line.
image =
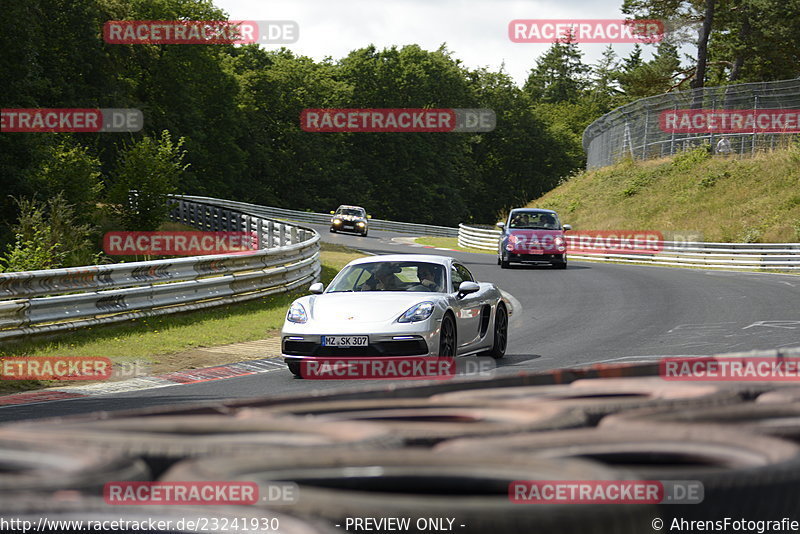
[56,300]
[771,256]
[431,456]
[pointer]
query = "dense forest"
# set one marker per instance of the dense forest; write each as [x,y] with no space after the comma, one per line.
[223,120]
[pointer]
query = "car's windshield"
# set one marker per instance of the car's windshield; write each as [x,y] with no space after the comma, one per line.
[350,211]
[390,276]
[534,220]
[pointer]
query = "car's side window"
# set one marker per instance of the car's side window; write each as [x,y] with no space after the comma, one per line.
[466,276]
[455,277]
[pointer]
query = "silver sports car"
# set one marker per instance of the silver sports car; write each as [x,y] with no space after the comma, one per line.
[397,305]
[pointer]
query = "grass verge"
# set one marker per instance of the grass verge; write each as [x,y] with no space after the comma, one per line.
[752,200]
[449,242]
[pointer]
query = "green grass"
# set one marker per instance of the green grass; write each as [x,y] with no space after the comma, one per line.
[150,339]
[724,199]
[449,242]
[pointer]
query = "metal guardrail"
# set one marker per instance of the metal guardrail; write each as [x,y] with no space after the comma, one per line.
[57,300]
[322,218]
[634,129]
[477,237]
[779,256]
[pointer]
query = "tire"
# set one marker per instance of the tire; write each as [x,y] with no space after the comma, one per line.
[779,420]
[473,490]
[448,337]
[48,465]
[597,397]
[560,264]
[364,234]
[504,263]
[786,394]
[500,333]
[161,441]
[743,475]
[419,422]
[294,367]
[333,230]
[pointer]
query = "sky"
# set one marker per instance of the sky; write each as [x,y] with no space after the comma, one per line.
[475,31]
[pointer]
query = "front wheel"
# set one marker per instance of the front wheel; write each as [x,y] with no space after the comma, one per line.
[504,263]
[447,338]
[294,367]
[500,333]
[333,229]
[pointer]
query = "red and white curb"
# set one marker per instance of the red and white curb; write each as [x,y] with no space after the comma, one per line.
[177,378]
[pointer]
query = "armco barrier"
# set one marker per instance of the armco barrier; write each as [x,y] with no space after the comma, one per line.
[56,300]
[778,256]
[322,218]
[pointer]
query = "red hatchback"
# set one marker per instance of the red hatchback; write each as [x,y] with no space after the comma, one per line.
[533,236]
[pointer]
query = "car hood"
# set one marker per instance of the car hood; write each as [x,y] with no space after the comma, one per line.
[349,217]
[363,307]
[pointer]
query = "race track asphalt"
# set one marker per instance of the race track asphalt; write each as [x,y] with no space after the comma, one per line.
[590,313]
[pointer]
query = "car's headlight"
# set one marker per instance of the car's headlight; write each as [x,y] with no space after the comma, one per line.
[420,312]
[297,314]
[337,221]
[360,223]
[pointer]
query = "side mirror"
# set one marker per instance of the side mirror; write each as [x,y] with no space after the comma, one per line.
[369,216]
[567,227]
[333,213]
[316,288]
[501,225]
[465,288]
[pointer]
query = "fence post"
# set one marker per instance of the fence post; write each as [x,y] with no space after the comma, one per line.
[755,110]
[270,234]
[644,140]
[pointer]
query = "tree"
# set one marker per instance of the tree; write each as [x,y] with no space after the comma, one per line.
[48,236]
[69,169]
[152,167]
[653,77]
[560,74]
[679,16]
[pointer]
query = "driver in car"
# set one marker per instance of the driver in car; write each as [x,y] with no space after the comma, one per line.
[520,220]
[426,277]
[383,279]
[548,221]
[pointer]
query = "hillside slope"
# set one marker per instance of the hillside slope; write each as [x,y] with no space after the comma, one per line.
[730,200]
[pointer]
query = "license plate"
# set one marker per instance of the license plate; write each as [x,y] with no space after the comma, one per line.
[348,227]
[345,341]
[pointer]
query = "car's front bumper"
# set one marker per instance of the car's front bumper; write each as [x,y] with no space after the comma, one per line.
[303,347]
[535,258]
[349,226]
[401,340]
